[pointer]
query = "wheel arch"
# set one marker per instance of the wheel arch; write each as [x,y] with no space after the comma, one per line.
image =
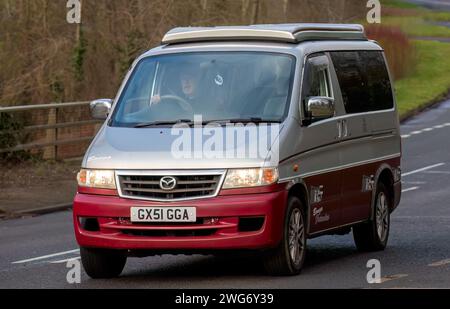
[383,175]
[299,189]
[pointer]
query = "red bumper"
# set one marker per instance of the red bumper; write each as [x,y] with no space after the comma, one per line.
[115,231]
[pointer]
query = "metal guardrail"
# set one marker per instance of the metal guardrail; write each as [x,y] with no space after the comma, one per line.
[51,141]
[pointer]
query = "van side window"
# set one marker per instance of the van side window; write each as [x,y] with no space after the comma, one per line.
[316,83]
[364,80]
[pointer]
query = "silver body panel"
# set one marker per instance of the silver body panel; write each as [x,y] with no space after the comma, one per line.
[150,149]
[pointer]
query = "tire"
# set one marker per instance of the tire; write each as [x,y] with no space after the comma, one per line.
[286,259]
[103,263]
[373,235]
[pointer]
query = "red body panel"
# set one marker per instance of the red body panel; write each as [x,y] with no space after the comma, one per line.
[114,213]
[356,203]
[327,213]
[343,201]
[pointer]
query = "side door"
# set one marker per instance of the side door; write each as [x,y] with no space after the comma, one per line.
[319,139]
[361,76]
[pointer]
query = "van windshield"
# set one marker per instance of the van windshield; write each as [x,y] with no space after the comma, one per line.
[218,86]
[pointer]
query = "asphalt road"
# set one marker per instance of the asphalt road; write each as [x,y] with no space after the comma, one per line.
[34,251]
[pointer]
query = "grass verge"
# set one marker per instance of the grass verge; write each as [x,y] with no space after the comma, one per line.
[418,26]
[430,80]
[399,4]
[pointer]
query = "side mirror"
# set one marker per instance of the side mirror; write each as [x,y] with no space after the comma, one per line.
[100,108]
[320,107]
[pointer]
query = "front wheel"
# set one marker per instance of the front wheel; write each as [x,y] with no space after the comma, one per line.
[103,263]
[373,235]
[289,256]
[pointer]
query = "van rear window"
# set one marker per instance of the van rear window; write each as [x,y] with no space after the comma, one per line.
[364,80]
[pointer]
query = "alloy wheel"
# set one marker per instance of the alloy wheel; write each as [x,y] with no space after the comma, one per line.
[382,216]
[296,236]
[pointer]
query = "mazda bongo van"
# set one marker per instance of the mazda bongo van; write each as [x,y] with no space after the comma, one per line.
[242,138]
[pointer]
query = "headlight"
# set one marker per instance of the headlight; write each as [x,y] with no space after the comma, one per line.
[102,179]
[250,177]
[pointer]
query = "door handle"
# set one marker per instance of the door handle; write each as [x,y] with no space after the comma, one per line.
[339,128]
[342,129]
[345,128]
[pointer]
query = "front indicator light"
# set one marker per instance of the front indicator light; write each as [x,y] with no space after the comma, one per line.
[101,179]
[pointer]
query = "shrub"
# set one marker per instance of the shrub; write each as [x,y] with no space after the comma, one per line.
[400,52]
[11,134]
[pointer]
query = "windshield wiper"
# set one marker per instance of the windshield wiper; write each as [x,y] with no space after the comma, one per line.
[244,120]
[189,122]
[163,123]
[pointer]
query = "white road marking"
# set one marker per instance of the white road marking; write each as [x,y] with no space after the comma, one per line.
[46,256]
[414,182]
[423,169]
[437,172]
[410,189]
[392,277]
[65,260]
[440,263]
[422,217]
[438,126]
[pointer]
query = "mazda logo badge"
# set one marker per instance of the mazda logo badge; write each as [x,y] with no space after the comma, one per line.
[168,183]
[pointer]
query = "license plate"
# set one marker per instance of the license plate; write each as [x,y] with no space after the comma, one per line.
[163,214]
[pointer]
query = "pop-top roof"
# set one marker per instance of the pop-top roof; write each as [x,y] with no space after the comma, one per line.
[290,33]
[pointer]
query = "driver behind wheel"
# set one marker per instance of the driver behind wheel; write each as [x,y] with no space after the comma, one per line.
[189,79]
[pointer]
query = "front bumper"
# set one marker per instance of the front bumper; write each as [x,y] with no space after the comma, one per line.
[115,231]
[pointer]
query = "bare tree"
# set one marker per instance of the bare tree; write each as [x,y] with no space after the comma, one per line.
[115,32]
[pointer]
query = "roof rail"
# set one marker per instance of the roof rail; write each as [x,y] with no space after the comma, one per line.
[290,33]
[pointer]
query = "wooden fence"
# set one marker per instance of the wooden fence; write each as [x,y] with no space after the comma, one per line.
[57,130]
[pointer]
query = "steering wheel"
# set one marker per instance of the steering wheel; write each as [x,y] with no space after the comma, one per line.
[182,103]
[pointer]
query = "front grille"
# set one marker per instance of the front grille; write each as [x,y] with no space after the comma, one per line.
[187,186]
